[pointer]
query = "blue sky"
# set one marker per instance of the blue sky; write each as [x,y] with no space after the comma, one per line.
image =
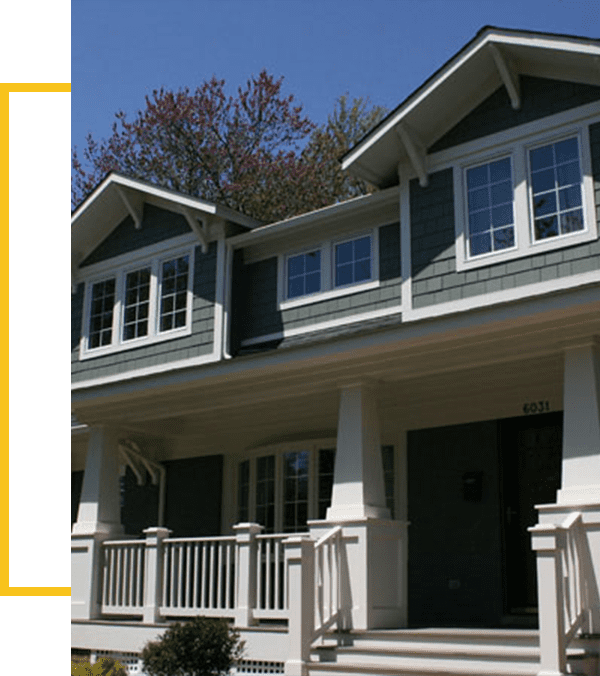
[380,49]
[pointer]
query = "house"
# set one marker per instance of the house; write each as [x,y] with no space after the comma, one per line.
[369,434]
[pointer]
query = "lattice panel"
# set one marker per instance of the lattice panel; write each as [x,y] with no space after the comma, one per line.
[259,667]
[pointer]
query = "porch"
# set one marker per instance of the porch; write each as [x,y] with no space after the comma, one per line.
[349,572]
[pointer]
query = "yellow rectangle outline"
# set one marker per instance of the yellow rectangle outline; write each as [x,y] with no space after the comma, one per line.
[5,90]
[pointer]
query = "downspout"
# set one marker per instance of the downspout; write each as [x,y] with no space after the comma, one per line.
[228,284]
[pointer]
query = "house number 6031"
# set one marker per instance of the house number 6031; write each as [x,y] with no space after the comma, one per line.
[536,407]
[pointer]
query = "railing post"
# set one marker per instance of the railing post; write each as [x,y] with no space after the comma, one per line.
[300,565]
[247,565]
[547,541]
[153,572]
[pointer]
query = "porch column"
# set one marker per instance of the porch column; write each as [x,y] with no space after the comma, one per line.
[358,488]
[98,519]
[581,430]
[372,553]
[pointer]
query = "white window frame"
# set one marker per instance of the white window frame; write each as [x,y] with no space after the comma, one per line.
[119,273]
[516,144]
[312,447]
[328,288]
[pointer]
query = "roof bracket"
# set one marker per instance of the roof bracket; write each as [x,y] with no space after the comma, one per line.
[133,212]
[199,227]
[416,152]
[509,77]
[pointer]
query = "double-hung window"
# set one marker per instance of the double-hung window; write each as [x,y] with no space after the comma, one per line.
[139,304]
[332,269]
[534,197]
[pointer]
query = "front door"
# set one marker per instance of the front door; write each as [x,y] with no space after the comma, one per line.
[531,450]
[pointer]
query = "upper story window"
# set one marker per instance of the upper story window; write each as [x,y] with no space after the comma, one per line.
[556,189]
[138,305]
[532,193]
[334,268]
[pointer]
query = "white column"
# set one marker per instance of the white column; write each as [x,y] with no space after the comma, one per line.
[300,565]
[153,573]
[97,520]
[99,506]
[358,488]
[246,572]
[581,435]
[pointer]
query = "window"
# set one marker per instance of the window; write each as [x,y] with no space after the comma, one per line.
[490,207]
[288,487]
[304,274]
[137,305]
[534,197]
[333,269]
[556,189]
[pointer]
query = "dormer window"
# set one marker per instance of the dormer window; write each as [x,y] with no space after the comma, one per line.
[139,305]
[534,194]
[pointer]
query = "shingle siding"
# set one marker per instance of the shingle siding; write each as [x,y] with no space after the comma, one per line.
[539,97]
[255,288]
[199,343]
[158,225]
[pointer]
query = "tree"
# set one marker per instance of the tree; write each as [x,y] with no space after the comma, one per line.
[257,152]
[200,647]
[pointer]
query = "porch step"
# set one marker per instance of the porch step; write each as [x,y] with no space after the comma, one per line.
[444,652]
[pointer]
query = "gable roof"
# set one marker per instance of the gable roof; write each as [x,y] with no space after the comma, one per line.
[118,196]
[495,57]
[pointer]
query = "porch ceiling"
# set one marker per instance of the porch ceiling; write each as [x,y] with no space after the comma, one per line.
[264,398]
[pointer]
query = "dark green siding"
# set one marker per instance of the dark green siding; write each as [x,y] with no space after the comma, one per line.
[255,295]
[158,225]
[435,279]
[199,343]
[539,97]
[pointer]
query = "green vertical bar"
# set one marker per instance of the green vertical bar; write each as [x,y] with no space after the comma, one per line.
[39,316]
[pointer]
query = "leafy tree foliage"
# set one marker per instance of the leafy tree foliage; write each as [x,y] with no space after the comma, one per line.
[256,152]
[105,666]
[200,647]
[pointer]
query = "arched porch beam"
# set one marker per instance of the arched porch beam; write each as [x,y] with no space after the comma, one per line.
[508,75]
[415,151]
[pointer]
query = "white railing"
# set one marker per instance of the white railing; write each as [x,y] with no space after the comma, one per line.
[563,596]
[328,602]
[575,597]
[271,578]
[122,575]
[199,576]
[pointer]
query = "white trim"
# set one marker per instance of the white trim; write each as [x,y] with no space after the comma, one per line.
[554,43]
[118,344]
[332,323]
[586,114]
[131,257]
[328,288]
[220,298]
[527,291]
[147,371]
[405,238]
[228,284]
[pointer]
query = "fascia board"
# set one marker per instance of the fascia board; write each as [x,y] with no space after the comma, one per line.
[312,218]
[550,43]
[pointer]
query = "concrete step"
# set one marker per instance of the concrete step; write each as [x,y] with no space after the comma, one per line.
[448,652]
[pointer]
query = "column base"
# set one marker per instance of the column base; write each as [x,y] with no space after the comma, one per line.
[343,513]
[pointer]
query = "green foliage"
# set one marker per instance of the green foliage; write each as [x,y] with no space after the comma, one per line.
[200,647]
[256,152]
[105,666]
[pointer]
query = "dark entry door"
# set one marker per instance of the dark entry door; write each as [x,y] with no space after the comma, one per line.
[454,537]
[531,450]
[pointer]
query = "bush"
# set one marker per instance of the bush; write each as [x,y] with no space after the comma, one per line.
[200,647]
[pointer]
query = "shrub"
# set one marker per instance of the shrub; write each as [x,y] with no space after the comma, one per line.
[200,647]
